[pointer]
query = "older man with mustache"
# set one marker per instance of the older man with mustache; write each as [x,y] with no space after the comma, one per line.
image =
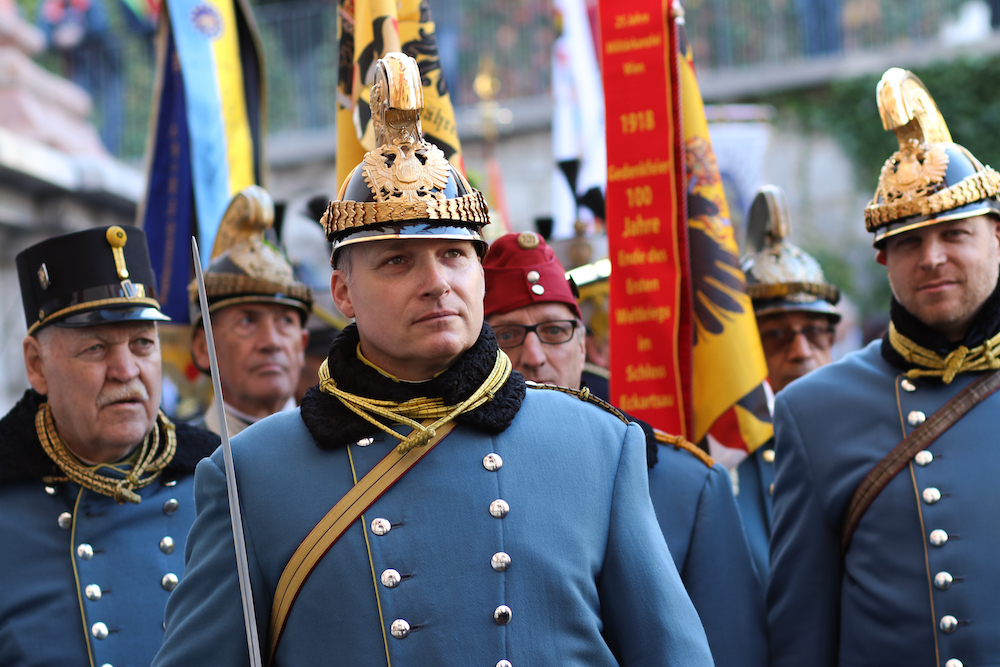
[258,313]
[95,483]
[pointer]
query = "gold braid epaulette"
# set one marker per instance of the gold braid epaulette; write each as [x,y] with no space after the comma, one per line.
[148,464]
[680,442]
[342,216]
[780,290]
[584,395]
[983,184]
[961,360]
[416,408]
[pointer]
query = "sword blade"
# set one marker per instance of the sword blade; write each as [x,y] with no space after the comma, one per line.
[242,567]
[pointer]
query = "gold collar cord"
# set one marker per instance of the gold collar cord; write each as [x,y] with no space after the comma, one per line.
[147,464]
[961,360]
[416,408]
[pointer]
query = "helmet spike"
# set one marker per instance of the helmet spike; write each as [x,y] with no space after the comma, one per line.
[907,108]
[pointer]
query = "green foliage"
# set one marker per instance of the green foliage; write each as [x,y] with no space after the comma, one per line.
[965,91]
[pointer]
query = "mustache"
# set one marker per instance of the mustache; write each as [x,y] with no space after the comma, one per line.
[133,391]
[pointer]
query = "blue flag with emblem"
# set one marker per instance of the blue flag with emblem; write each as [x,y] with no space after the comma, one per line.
[206,133]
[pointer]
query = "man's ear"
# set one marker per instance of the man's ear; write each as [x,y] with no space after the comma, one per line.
[340,289]
[33,364]
[305,344]
[880,255]
[199,350]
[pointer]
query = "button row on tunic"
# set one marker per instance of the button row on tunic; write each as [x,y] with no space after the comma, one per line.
[492,462]
[948,624]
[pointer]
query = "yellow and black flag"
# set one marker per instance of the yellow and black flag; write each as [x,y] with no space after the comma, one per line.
[728,365]
[367,30]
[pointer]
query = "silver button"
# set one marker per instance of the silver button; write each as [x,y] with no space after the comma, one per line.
[938,537]
[907,385]
[500,561]
[948,624]
[533,276]
[171,482]
[492,462]
[99,630]
[954,662]
[169,581]
[931,495]
[85,551]
[171,506]
[390,578]
[381,526]
[499,508]
[65,520]
[167,545]
[942,580]
[916,418]
[51,490]
[399,628]
[538,289]
[502,615]
[923,457]
[504,663]
[107,664]
[93,592]
[364,442]
[767,455]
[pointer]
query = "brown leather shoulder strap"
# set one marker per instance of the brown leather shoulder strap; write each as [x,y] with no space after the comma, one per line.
[918,439]
[334,524]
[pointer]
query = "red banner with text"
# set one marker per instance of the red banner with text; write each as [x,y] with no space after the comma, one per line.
[646,243]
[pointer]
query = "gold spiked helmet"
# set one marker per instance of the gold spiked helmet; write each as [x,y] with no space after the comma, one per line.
[404,188]
[781,277]
[930,179]
[245,267]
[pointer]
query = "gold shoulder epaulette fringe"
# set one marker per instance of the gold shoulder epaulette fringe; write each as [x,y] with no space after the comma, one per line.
[583,395]
[679,442]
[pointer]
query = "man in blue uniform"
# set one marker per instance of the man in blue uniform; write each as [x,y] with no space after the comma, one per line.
[533,311]
[258,312]
[484,524]
[898,567]
[796,317]
[96,485]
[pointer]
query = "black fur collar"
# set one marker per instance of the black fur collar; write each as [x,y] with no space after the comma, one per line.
[984,326]
[332,425]
[23,459]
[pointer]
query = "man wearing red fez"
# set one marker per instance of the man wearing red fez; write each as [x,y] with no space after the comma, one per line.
[532,308]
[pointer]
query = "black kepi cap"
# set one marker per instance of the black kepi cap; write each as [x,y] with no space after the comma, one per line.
[98,276]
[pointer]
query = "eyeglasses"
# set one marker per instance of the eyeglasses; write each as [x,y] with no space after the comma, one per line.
[555,332]
[778,340]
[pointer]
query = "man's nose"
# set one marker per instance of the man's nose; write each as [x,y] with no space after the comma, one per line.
[435,278]
[268,334]
[932,254]
[122,364]
[800,347]
[532,351]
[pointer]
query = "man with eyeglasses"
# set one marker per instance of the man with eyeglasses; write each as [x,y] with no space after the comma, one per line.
[797,318]
[532,308]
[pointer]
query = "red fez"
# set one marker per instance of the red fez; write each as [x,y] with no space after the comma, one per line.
[521,270]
